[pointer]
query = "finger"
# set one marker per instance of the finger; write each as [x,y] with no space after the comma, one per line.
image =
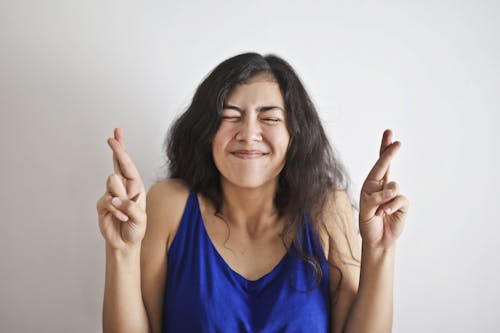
[114,205]
[102,203]
[372,202]
[115,187]
[116,165]
[381,167]
[393,186]
[398,203]
[125,165]
[393,189]
[118,133]
[386,142]
[105,206]
[119,136]
[130,209]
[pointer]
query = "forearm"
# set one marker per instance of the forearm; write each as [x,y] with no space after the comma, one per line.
[123,308]
[372,309]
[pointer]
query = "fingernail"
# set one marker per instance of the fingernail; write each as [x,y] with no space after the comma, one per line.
[388,210]
[116,202]
[123,217]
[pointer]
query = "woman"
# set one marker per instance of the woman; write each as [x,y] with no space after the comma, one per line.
[254,224]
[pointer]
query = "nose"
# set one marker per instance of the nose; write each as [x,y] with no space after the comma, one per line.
[249,130]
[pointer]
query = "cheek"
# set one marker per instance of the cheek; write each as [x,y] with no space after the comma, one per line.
[280,140]
[216,146]
[220,140]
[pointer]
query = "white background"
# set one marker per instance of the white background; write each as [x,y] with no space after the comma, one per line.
[71,71]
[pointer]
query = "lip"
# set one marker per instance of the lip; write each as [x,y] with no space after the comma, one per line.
[247,154]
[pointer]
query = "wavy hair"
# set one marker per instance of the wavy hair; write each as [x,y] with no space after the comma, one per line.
[311,171]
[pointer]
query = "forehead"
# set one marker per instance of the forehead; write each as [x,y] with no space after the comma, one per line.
[262,88]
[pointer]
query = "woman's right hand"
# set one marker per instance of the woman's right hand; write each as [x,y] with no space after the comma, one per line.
[122,208]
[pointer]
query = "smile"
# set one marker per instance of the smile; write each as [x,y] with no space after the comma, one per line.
[248,155]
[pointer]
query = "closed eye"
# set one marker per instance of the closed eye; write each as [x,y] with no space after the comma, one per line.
[273,120]
[231,117]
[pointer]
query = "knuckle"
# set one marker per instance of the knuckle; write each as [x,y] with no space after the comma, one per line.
[113,186]
[114,178]
[392,185]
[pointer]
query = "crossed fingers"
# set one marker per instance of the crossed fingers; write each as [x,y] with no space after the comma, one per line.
[122,162]
[378,176]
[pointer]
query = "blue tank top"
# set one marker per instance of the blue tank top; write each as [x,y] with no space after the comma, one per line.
[203,294]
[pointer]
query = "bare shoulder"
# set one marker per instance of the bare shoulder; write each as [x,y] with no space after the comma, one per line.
[165,203]
[337,223]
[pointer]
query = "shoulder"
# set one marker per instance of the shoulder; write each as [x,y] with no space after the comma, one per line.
[337,226]
[165,203]
[339,201]
[170,185]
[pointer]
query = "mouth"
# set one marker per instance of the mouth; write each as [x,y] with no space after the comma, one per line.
[248,154]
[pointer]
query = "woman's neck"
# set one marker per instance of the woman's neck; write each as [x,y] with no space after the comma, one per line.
[249,208]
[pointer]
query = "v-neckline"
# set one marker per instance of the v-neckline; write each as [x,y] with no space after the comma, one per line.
[221,259]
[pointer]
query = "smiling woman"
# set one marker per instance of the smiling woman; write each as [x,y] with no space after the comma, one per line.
[250,145]
[253,224]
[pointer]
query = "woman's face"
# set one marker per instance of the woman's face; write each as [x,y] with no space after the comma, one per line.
[251,142]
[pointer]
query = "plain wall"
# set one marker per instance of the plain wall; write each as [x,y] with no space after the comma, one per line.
[71,71]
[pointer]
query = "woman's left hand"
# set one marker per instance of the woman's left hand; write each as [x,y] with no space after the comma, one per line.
[382,209]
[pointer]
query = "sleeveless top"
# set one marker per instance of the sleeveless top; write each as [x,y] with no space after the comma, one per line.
[203,294]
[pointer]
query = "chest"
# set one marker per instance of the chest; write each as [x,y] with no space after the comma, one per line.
[203,293]
[250,257]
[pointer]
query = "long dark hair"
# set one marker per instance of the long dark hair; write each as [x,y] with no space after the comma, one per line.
[311,170]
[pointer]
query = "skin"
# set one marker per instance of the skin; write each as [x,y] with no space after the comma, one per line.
[253,119]
[383,211]
[135,255]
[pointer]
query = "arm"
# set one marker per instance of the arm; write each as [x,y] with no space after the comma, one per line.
[123,309]
[136,234]
[382,215]
[363,300]
[369,306]
[135,279]
[122,224]
[372,308]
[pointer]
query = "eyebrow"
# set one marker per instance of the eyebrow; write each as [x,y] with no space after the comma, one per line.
[259,109]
